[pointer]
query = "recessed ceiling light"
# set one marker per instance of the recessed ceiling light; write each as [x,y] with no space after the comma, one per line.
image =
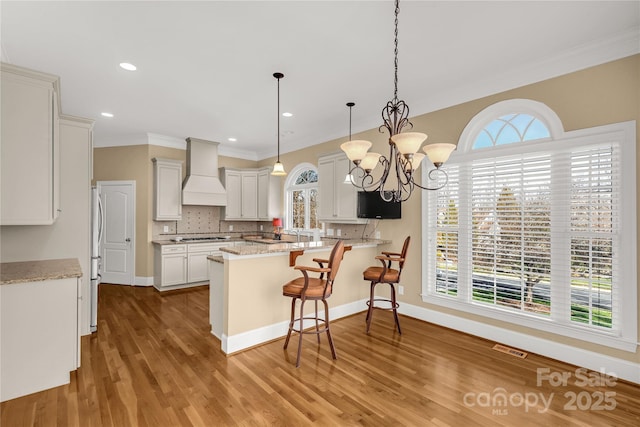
[232,139]
[287,114]
[128,67]
[107,114]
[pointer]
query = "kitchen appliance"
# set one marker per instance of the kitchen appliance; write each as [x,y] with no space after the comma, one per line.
[97,223]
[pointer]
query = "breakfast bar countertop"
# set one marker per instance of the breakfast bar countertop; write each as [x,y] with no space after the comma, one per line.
[36,271]
[285,247]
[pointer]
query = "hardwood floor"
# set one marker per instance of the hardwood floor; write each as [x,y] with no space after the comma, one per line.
[153,362]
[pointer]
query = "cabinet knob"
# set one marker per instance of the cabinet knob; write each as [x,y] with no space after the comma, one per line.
[127,240]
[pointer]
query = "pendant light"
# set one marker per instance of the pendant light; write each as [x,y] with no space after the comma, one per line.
[359,147]
[278,167]
[403,157]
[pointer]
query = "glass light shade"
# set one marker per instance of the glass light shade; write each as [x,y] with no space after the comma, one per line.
[408,142]
[370,161]
[439,153]
[348,179]
[415,162]
[356,150]
[278,169]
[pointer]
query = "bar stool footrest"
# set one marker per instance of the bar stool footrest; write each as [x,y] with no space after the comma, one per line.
[392,306]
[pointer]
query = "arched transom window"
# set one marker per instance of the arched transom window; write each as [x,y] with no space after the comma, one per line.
[511,128]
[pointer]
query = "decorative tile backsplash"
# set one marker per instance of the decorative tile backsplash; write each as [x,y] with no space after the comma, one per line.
[205,220]
[199,219]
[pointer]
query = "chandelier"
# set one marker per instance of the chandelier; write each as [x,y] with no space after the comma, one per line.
[404,158]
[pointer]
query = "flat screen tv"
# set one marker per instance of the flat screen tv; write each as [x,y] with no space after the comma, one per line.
[371,205]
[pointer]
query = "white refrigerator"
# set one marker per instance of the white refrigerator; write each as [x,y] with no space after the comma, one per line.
[97,222]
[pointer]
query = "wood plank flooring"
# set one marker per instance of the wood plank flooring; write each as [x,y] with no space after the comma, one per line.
[153,362]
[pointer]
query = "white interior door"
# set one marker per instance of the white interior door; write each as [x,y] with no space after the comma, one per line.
[118,241]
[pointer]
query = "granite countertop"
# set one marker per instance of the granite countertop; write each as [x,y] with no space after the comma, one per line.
[293,246]
[216,258]
[192,242]
[37,271]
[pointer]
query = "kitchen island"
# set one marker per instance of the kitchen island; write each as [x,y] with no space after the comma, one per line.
[245,287]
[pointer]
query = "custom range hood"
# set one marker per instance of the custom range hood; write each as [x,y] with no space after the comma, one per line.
[202,185]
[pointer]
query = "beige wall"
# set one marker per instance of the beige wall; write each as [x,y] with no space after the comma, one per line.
[130,164]
[600,95]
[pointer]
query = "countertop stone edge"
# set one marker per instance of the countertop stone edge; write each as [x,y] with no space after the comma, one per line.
[37,271]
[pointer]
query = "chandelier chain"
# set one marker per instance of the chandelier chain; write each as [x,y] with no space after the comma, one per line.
[395,51]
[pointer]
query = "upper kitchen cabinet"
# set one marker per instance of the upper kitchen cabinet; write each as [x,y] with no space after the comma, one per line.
[337,201]
[30,155]
[167,189]
[253,194]
[269,195]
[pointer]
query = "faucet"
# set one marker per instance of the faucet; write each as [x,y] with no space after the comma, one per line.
[296,232]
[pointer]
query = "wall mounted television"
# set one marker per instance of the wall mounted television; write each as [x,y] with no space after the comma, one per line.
[371,205]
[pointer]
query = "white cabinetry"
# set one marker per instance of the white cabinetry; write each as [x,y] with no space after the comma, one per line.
[171,265]
[167,190]
[182,265]
[249,195]
[252,194]
[337,201]
[198,262]
[269,195]
[39,344]
[30,147]
[232,181]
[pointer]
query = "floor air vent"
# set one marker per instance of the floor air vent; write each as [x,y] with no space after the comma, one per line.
[509,350]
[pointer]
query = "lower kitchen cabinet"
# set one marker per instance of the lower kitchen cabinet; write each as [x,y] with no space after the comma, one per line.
[178,266]
[197,268]
[170,265]
[40,338]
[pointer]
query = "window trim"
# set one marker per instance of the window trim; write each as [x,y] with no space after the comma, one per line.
[625,134]
[290,185]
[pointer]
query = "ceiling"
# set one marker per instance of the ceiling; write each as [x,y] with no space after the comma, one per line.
[205,68]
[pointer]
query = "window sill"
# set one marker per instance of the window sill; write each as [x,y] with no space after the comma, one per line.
[608,339]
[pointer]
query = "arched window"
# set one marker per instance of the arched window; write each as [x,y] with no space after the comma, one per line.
[530,227]
[517,127]
[301,190]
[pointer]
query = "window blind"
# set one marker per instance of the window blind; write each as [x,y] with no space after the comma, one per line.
[540,232]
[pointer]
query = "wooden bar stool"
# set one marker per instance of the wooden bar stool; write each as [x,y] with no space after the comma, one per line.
[315,289]
[386,274]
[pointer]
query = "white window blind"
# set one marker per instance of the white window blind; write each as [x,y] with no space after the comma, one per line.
[511,232]
[594,227]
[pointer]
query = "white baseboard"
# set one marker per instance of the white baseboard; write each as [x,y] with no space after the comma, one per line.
[244,340]
[143,281]
[622,369]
